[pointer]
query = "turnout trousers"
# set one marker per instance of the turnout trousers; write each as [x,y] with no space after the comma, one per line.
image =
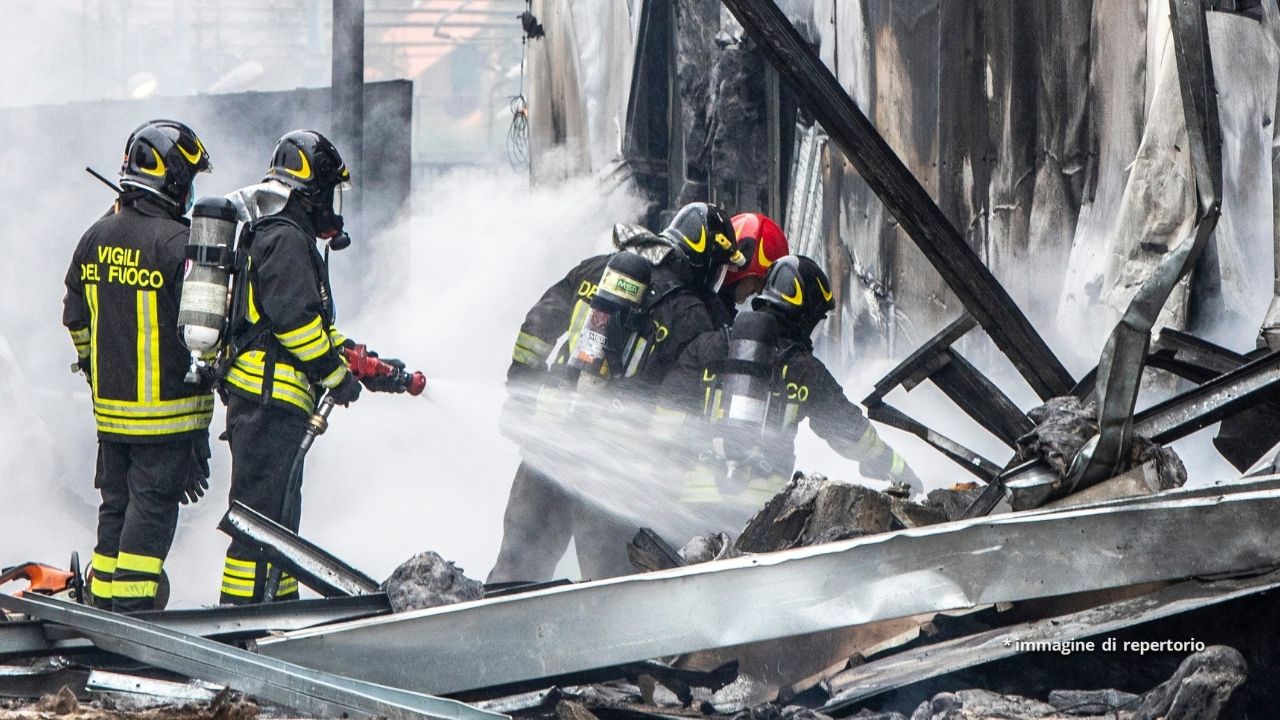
[536,528]
[141,485]
[264,441]
[541,517]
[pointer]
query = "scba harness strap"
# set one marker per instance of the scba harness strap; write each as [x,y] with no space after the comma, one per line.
[243,335]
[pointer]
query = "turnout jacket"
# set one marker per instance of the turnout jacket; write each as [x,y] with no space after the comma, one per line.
[285,345]
[802,388]
[121,307]
[677,315]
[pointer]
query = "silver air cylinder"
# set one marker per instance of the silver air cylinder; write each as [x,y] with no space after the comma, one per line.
[202,311]
[605,340]
[746,379]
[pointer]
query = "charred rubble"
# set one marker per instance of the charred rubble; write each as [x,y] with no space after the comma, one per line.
[1083,577]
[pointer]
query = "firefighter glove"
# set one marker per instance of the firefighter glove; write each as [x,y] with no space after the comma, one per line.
[394,383]
[347,391]
[194,490]
[84,366]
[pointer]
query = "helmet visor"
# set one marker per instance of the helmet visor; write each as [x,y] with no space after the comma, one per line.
[717,279]
[339,191]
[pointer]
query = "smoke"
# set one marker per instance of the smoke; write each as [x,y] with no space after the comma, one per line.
[396,475]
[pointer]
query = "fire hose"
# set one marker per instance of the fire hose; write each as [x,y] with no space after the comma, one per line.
[363,366]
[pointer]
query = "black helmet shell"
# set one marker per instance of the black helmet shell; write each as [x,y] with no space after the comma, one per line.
[798,290]
[705,234]
[307,163]
[164,156]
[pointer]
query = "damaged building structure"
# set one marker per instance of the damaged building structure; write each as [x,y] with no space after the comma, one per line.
[982,180]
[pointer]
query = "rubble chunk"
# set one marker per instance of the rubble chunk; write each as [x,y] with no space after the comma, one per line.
[1201,688]
[966,704]
[953,501]
[427,580]
[705,548]
[1063,426]
[63,702]
[648,551]
[570,710]
[813,509]
[1091,702]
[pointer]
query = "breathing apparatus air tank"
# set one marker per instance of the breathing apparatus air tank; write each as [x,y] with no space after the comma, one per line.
[202,310]
[745,384]
[608,337]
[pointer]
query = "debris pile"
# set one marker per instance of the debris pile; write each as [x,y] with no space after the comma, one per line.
[427,580]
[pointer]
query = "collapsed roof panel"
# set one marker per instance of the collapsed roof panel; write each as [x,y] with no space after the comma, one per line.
[955,565]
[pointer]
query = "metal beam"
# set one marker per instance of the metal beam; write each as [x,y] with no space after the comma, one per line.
[977,289]
[971,461]
[229,622]
[311,564]
[981,399]
[907,668]
[310,692]
[1205,405]
[942,567]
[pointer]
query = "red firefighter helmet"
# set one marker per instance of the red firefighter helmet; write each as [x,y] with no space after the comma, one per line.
[762,241]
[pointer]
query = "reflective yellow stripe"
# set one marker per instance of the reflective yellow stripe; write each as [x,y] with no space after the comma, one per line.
[134,588]
[81,339]
[236,591]
[288,586]
[249,575]
[252,309]
[237,378]
[237,582]
[336,337]
[301,335]
[898,465]
[531,349]
[525,356]
[199,403]
[101,587]
[253,364]
[234,564]
[576,321]
[148,357]
[312,350]
[149,426]
[140,563]
[103,564]
[332,380]
[91,298]
[870,440]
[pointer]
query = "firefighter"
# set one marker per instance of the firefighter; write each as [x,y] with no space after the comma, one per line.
[762,242]
[753,386]
[121,307]
[284,351]
[690,259]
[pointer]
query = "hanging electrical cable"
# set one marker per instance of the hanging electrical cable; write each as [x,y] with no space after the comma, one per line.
[518,133]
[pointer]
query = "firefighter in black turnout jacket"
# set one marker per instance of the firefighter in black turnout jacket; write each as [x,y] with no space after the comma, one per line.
[685,266]
[284,349]
[753,385]
[121,306]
